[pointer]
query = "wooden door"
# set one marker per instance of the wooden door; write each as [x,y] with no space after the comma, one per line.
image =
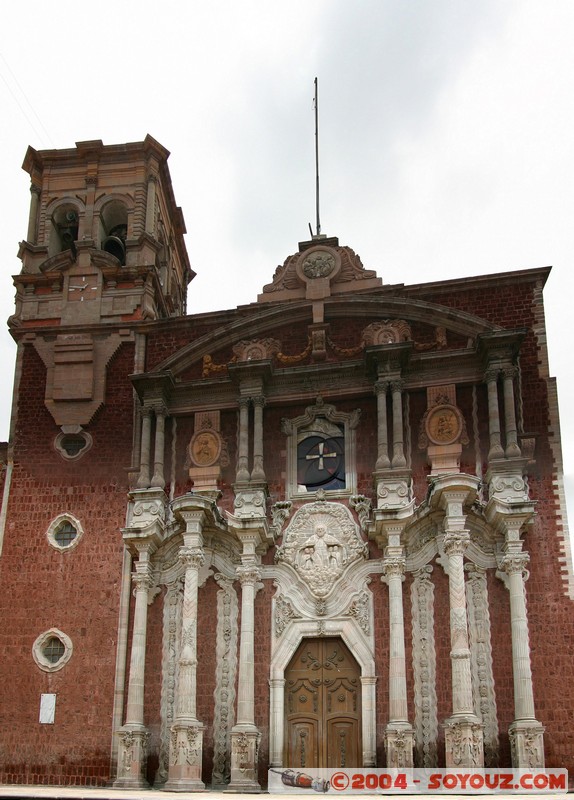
[322,706]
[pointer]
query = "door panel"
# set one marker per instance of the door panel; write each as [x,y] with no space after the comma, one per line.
[322,706]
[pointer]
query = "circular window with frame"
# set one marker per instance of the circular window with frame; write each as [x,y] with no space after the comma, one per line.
[52,650]
[64,532]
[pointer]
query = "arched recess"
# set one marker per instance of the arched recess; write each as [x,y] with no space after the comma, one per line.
[349,631]
[113,213]
[64,223]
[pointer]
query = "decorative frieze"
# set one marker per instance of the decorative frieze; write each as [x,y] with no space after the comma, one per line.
[424,666]
[481,660]
[225,676]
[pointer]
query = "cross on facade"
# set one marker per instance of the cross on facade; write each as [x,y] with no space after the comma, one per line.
[321,455]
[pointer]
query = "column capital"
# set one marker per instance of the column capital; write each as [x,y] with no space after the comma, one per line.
[491,374]
[397,385]
[191,557]
[456,542]
[394,567]
[248,574]
[143,581]
[258,401]
[382,386]
[515,562]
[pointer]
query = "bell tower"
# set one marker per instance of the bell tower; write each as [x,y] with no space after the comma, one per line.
[104,251]
[105,237]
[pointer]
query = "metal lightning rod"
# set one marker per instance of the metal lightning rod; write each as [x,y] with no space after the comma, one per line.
[316,105]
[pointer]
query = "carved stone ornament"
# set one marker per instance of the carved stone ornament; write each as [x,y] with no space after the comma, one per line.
[205,448]
[444,425]
[318,264]
[388,331]
[319,543]
[256,349]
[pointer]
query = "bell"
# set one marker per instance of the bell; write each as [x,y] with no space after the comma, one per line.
[115,247]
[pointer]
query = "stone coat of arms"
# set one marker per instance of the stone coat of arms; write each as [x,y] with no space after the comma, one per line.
[320,543]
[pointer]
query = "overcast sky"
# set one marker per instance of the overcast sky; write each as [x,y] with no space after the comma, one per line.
[446,131]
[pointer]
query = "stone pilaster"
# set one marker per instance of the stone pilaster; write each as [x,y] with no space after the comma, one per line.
[258,471]
[243,447]
[145,450]
[512,449]
[399,736]
[245,736]
[463,730]
[399,459]
[383,461]
[133,736]
[495,450]
[186,741]
[526,733]
[158,479]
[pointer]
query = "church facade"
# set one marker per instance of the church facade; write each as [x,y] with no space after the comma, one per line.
[323,529]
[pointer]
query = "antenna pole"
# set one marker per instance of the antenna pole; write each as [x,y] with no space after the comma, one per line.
[316,105]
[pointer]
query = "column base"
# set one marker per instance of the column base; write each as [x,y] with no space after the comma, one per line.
[244,761]
[132,758]
[464,742]
[399,742]
[185,757]
[527,744]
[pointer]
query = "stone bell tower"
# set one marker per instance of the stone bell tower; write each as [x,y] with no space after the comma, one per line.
[104,249]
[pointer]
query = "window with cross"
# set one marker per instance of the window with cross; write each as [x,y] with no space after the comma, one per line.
[321,456]
[321,451]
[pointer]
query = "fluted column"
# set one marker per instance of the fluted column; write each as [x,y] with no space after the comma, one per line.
[245,735]
[399,459]
[133,737]
[495,451]
[526,733]
[33,217]
[383,461]
[512,448]
[243,446]
[186,742]
[399,733]
[158,479]
[258,472]
[145,450]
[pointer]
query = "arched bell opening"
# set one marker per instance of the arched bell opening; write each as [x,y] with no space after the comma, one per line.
[114,229]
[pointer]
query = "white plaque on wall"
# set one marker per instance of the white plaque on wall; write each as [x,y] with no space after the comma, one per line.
[47,708]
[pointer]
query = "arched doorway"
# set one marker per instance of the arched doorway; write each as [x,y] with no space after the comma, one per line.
[322,706]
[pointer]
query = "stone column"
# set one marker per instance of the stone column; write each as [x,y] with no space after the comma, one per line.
[186,742]
[158,479]
[463,731]
[33,218]
[150,205]
[399,459]
[243,448]
[383,461]
[258,472]
[512,448]
[276,711]
[134,736]
[495,451]
[399,733]
[526,733]
[144,477]
[245,735]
